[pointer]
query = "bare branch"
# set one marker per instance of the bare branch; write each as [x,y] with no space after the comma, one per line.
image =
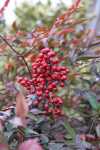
[17,53]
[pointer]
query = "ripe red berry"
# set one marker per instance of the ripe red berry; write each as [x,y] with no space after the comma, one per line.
[47,74]
[62,84]
[35,103]
[39,93]
[46,107]
[45,50]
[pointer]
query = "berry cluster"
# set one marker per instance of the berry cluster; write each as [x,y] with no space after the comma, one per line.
[47,74]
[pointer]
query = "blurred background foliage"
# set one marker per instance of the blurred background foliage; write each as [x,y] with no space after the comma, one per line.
[29,16]
[84,69]
[79,49]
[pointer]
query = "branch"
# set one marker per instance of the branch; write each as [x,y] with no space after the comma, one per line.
[17,53]
[3,7]
[94,44]
[59,20]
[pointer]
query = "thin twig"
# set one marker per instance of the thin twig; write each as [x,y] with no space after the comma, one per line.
[94,44]
[92,125]
[17,53]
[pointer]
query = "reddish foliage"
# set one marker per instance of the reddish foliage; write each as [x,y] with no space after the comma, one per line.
[3,147]
[3,7]
[31,144]
[89,138]
[21,106]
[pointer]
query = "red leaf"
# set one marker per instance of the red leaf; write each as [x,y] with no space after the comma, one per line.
[3,147]
[21,106]
[3,7]
[89,138]
[3,47]
[1,126]
[31,144]
[66,31]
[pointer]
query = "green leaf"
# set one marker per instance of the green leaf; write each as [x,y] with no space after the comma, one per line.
[87,57]
[61,53]
[70,130]
[62,92]
[9,126]
[56,49]
[1,66]
[44,139]
[28,132]
[91,97]
[56,146]
[98,130]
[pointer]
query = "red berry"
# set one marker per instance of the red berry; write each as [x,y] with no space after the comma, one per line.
[39,93]
[35,103]
[51,54]
[62,84]
[47,74]
[45,50]
[46,107]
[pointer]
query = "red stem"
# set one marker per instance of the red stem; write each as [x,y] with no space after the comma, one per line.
[3,7]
